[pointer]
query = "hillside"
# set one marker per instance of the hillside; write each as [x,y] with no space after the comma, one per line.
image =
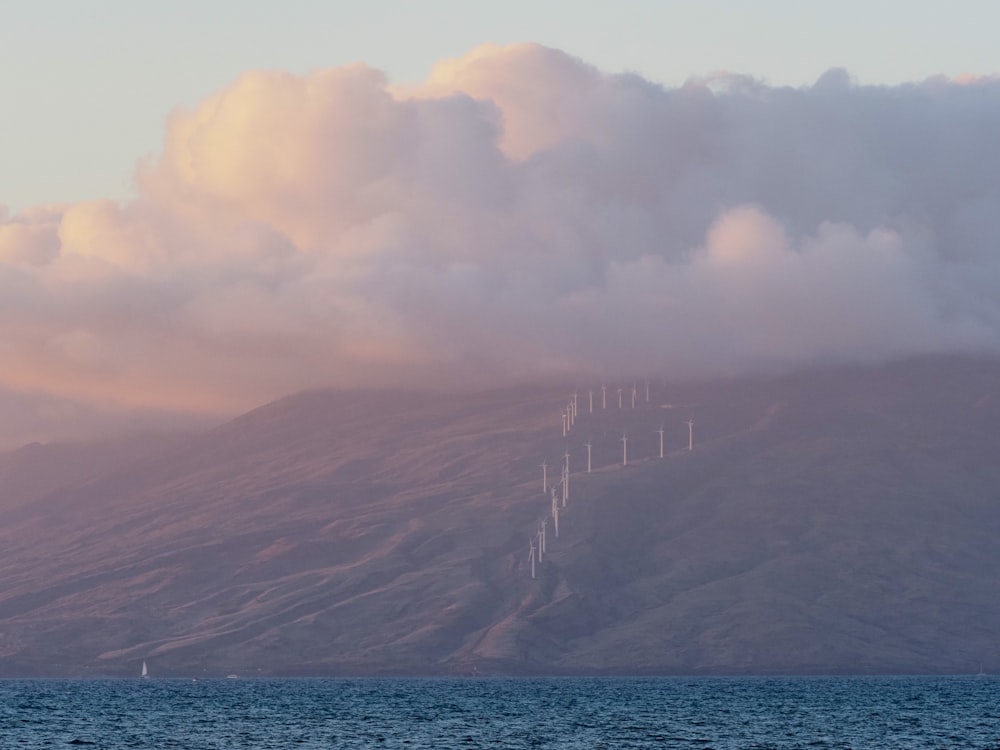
[842,521]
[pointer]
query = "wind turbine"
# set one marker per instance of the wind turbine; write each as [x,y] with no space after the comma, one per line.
[619,398]
[555,520]
[661,440]
[565,422]
[604,397]
[566,478]
[589,446]
[531,556]
[541,527]
[545,478]
[624,450]
[576,410]
[541,542]
[591,394]
[555,502]
[633,395]
[690,424]
[647,391]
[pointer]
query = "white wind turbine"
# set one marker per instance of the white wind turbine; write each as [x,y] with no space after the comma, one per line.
[545,477]
[690,424]
[566,478]
[555,520]
[531,555]
[604,397]
[591,394]
[576,410]
[565,422]
[624,450]
[589,446]
[555,502]
[541,537]
[661,440]
[619,398]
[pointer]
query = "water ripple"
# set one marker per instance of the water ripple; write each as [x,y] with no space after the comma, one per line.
[836,713]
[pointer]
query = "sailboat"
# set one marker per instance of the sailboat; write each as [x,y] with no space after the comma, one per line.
[145,671]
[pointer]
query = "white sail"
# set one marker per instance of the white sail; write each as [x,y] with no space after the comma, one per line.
[145,671]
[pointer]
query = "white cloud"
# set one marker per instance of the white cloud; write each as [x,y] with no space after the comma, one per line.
[519,214]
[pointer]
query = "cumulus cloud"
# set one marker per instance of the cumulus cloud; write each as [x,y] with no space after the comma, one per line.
[31,238]
[520,214]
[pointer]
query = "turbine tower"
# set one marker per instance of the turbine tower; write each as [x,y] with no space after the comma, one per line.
[541,528]
[591,394]
[531,556]
[624,450]
[545,477]
[647,391]
[619,398]
[661,440]
[576,410]
[690,424]
[604,397]
[589,446]
[555,520]
[566,478]
[565,421]
[633,395]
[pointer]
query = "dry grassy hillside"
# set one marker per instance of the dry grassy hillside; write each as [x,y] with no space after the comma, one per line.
[831,522]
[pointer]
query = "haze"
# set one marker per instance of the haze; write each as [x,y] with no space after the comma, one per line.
[518,215]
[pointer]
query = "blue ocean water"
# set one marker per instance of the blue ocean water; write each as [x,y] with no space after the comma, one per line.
[612,713]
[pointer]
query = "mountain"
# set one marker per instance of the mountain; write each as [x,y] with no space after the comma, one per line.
[36,470]
[834,521]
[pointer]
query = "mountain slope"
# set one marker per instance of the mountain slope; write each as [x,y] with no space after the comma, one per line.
[838,521]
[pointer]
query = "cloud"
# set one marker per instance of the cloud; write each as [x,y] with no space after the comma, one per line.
[520,214]
[30,238]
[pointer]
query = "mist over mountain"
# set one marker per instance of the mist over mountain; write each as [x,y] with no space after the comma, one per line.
[841,520]
[519,215]
[36,470]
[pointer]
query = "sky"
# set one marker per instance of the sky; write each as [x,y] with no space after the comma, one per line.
[88,85]
[209,205]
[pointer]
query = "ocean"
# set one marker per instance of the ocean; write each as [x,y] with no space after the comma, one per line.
[572,713]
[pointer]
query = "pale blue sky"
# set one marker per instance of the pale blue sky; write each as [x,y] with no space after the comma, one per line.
[87,85]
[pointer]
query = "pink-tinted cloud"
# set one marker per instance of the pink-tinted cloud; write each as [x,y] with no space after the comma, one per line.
[30,238]
[520,214]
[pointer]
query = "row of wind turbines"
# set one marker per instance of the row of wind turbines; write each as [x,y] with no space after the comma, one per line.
[537,541]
